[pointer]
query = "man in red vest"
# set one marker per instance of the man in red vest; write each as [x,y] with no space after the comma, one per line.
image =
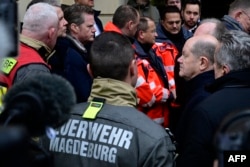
[37,40]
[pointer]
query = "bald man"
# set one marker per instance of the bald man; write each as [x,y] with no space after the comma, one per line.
[211,26]
[196,67]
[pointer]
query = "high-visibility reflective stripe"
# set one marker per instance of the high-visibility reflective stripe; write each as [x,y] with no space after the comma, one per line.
[3,91]
[145,62]
[152,85]
[158,43]
[150,103]
[169,68]
[140,81]
[159,120]
[163,46]
[171,82]
[165,95]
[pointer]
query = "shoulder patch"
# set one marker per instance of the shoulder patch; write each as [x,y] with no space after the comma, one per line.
[8,64]
[93,110]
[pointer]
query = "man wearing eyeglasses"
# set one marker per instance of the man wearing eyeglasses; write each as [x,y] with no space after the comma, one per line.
[238,17]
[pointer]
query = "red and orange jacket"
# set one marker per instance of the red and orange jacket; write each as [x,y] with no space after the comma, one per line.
[111,27]
[151,87]
[168,53]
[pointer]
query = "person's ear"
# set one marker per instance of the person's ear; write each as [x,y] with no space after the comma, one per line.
[225,69]
[89,70]
[74,28]
[204,63]
[51,33]
[133,68]
[238,15]
[141,34]
[130,25]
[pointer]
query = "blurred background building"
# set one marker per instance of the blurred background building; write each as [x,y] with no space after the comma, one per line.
[210,8]
[107,7]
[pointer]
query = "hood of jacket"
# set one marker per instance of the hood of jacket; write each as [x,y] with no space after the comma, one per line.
[115,92]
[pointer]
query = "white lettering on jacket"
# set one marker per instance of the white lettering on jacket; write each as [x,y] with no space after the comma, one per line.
[91,140]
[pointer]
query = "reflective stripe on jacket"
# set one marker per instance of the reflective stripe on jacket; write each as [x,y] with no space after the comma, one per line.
[168,54]
[152,92]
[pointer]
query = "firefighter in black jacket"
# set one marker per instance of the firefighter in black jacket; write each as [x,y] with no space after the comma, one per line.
[108,130]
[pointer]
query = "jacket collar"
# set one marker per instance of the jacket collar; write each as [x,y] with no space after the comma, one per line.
[142,49]
[200,81]
[239,78]
[232,23]
[44,51]
[113,91]
[77,43]
[111,27]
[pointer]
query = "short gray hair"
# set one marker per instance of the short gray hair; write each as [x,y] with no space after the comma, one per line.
[234,50]
[39,17]
[204,47]
[239,4]
[51,2]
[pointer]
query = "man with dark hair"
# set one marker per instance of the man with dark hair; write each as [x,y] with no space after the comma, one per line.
[191,14]
[152,88]
[125,21]
[71,57]
[108,130]
[171,35]
[176,3]
[98,23]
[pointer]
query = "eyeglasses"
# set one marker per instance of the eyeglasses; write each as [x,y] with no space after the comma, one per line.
[246,14]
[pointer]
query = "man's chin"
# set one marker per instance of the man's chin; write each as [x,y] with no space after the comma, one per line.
[174,32]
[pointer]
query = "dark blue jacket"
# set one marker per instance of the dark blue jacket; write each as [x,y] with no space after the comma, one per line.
[195,93]
[97,20]
[70,61]
[230,93]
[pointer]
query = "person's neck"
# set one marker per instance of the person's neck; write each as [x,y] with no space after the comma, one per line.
[145,46]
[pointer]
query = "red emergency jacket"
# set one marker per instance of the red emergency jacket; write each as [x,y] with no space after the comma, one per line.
[168,53]
[111,27]
[10,66]
[152,86]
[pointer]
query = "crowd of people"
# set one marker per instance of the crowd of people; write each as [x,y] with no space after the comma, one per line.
[152,85]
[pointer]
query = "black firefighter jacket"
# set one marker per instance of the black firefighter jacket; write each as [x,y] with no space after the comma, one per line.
[119,135]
